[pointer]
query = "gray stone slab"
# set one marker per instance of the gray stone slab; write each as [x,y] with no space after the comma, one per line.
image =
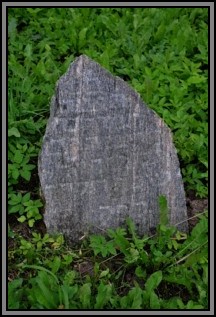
[105,156]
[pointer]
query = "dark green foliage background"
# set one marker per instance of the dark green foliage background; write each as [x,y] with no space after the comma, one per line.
[163,54]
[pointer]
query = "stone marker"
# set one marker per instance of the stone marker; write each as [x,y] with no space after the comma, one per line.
[105,156]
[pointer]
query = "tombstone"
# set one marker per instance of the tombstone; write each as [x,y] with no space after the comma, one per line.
[105,156]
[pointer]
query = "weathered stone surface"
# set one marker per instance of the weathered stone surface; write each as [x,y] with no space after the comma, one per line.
[105,156]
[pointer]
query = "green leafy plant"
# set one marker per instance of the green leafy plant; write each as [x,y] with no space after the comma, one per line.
[149,294]
[32,212]
[100,245]
[67,289]
[15,293]
[20,158]
[168,65]
[41,242]
[28,209]
[171,75]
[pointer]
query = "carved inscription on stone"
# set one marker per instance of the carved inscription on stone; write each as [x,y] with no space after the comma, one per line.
[105,156]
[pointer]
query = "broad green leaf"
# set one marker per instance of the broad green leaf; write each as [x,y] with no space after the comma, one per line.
[39,243]
[38,216]
[15,173]
[28,51]
[175,244]
[38,203]
[55,264]
[82,37]
[184,279]
[104,273]
[14,131]
[15,293]
[154,301]
[174,303]
[124,302]
[201,227]
[15,284]
[65,290]
[18,157]
[192,305]
[134,299]
[153,281]
[31,222]
[30,214]
[148,71]
[33,209]
[21,219]
[15,199]
[136,296]
[85,295]
[196,79]
[70,277]
[50,302]
[28,203]
[103,296]
[29,167]
[26,198]
[14,209]
[25,174]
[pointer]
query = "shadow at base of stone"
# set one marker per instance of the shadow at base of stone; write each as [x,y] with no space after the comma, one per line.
[194,206]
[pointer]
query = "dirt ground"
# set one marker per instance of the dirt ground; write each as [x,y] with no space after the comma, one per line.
[195,206]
